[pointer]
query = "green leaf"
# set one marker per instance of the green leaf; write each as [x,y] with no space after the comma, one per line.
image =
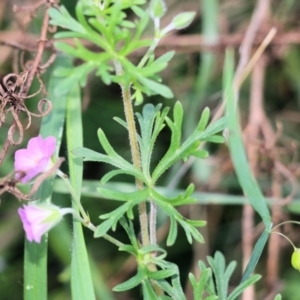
[81,278]
[121,122]
[148,291]
[35,256]
[114,217]
[205,276]
[81,52]
[157,66]
[155,87]
[191,232]
[172,232]
[210,287]
[63,19]
[103,228]
[215,127]
[108,176]
[115,160]
[214,139]
[199,287]
[175,127]
[240,288]
[161,274]
[150,117]
[174,290]
[222,274]
[132,282]
[200,153]
[212,297]
[128,248]
[190,146]
[196,223]
[139,195]
[237,149]
[203,119]
[128,226]
[257,251]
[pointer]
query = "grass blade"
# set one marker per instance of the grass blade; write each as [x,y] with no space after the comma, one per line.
[35,260]
[259,247]
[237,149]
[81,279]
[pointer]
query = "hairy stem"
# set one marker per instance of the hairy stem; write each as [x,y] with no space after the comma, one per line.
[135,152]
[152,224]
[136,158]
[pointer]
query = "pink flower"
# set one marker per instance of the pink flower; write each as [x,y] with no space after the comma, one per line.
[35,159]
[39,219]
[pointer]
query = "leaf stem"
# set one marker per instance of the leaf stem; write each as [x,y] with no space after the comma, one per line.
[86,219]
[285,222]
[285,238]
[75,198]
[149,52]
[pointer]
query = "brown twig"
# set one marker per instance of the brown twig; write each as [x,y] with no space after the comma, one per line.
[252,132]
[9,183]
[16,87]
[257,18]
[37,61]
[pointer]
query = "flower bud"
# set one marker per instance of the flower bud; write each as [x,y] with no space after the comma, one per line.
[296,259]
[38,219]
[183,20]
[157,8]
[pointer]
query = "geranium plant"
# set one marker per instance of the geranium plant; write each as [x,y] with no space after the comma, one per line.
[103,36]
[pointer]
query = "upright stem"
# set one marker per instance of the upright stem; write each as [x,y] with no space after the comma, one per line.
[136,158]
[135,152]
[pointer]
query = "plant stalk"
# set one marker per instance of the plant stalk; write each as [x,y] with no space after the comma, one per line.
[136,159]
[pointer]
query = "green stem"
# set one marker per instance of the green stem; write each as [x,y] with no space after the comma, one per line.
[285,222]
[285,238]
[86,219]
[149,52]
[76,200]
[153,209]
[152,224]
[135,152]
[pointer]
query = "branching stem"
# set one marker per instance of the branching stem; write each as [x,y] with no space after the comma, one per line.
[85,219]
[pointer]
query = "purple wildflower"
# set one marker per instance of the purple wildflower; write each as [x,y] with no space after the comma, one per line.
[39,219]
[35,159]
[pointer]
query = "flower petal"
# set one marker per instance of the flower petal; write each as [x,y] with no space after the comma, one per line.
[39,219]
[36,158]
